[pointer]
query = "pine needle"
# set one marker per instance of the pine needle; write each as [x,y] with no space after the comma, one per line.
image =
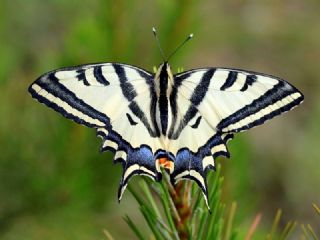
[108,234]
[253,226]
[275,224]
[313,234]
[316,208]
[230,221]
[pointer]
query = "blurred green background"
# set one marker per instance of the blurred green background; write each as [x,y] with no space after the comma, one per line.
[53,182]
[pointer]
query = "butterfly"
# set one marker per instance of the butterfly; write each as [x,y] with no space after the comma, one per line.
[180,122]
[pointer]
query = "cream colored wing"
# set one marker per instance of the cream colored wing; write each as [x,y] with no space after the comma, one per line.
[116,99]
[210,105]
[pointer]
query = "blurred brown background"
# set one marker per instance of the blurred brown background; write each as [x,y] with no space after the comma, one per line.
[53,182]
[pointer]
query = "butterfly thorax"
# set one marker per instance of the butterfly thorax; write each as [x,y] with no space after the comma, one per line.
[163,83]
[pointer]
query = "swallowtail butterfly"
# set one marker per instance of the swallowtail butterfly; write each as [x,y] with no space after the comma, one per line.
[181,122]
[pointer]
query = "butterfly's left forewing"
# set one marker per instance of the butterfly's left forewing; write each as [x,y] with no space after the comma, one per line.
[116,99]
[210,105]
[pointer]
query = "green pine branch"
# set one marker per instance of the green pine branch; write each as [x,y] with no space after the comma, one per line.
[180,213]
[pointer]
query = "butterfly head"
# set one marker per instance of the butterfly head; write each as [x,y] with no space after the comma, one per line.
[164,68]
[164,72]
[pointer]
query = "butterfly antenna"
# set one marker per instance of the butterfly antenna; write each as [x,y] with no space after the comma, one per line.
[158,42]
[183,43]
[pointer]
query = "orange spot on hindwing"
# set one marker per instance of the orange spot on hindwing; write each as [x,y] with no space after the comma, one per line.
[165,163]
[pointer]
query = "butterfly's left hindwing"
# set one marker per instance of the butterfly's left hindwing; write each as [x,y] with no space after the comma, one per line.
[116,99]
[210,105]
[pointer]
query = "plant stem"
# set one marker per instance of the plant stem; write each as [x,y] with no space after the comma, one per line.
[180,195]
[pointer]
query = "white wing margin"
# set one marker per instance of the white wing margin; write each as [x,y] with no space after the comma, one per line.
[117,100]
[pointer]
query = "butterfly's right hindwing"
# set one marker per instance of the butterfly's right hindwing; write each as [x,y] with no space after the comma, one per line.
[116,99]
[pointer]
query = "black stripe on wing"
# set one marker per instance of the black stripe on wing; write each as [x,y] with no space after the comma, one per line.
[130,93]
[82,76]
[231,79]
[250,79]
[131,121]
[173,102]
[278,93]
[51,84]
[97,73]
[196,98]
[196,124]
